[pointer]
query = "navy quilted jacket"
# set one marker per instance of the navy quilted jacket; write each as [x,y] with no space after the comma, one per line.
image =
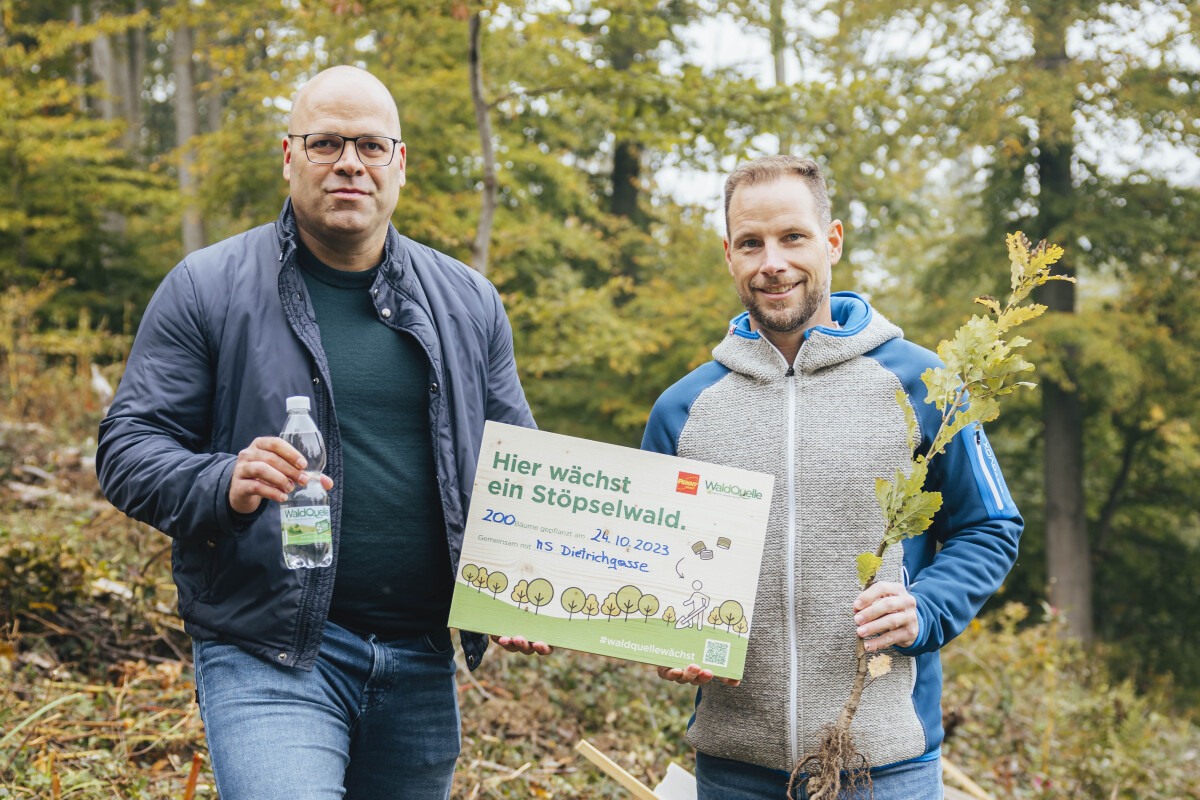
[229,335]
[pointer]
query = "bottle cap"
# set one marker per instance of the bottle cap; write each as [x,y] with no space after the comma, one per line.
[298,403]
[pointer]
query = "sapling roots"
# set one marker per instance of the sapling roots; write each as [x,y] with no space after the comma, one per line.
[837,758]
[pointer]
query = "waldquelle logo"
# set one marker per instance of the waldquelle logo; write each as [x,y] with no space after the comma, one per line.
[731,490]
[687,483]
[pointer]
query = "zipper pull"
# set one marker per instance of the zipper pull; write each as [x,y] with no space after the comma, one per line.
[791,373]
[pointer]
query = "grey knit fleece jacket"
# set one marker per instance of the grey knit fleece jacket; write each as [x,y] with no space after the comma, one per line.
[827,426]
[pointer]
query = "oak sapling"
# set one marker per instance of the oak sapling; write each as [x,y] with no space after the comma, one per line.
[980,366]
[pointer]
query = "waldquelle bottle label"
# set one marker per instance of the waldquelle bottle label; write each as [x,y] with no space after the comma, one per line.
[306,525]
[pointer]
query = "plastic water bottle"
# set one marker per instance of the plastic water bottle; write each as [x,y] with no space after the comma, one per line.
[307,532]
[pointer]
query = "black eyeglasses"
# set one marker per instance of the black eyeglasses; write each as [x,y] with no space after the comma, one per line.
[326,148]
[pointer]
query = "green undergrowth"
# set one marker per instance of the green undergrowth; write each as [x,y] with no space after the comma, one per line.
[1034,716]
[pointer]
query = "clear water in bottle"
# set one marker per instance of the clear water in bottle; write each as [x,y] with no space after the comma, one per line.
[307,531]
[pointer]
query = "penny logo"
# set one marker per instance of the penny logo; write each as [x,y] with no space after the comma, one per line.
[687,483]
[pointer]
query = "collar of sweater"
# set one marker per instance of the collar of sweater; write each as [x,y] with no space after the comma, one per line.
[857,329]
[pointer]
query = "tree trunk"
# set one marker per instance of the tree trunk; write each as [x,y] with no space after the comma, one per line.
[627,167]
[214,107]
[1068,551]
[80,60]
[104,62]
[778,42]
[627,153]
[487,212]
[778,28]
[133,79]
[187,127]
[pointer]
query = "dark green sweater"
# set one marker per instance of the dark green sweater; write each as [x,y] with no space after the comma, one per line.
[393,569]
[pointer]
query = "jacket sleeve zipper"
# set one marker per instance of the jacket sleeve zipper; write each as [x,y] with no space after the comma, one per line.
[987,473]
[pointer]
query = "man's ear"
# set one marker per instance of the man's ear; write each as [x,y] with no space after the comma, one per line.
[287,159]
[728,259]
[402,154]
[835,239]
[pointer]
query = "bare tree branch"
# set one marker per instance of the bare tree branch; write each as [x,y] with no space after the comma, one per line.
[1131,440]
[483,234]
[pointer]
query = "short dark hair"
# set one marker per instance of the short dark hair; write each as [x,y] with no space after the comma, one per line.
[772,168]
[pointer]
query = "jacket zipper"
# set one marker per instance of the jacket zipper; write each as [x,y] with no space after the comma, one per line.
[790,600]
[987,473]
[310,582]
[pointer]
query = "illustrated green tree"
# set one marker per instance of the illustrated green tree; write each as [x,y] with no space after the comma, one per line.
[981,364]
[573,601]
[628,598]
[497,582]
[470,572]
[648,605]
[610,607]
[481,579]
[591,606]
[742,627]
[730,613]
[669,615]
[540,593]
[520,593]
[714,616]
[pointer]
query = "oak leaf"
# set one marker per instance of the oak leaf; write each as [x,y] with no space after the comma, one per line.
[880,665]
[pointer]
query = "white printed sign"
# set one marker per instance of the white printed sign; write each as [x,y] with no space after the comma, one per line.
[612,550]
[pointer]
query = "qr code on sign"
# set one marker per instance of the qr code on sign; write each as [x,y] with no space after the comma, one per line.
[716,653]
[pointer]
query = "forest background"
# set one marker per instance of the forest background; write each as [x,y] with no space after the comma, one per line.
[568,151]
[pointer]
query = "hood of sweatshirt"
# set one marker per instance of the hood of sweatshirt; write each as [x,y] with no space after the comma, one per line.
[858,329]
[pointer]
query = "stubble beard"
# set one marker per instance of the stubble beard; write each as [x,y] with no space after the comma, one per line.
[786,320]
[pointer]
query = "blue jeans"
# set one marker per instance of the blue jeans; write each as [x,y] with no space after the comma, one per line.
[372,721]
[722,779]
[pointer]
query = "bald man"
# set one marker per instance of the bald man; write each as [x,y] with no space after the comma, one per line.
[334,681]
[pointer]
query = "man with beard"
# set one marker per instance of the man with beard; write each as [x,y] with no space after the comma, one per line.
[804,386]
